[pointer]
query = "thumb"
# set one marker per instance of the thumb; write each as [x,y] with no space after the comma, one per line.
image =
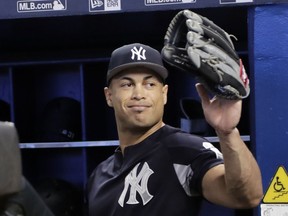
[203,94]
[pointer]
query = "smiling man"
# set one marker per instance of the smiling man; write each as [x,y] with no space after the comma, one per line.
[159,169]
[138,97]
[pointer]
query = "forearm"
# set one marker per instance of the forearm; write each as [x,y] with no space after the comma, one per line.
[242,174]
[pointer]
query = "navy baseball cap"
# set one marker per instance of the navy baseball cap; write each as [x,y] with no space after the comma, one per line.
[136,54]
[60,121]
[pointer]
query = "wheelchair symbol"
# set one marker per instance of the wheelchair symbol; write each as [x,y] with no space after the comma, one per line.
[278,186]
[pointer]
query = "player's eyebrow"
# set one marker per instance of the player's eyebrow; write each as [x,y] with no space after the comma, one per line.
[125,77]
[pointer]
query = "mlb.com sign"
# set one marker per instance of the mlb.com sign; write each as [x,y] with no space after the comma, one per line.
[41,5]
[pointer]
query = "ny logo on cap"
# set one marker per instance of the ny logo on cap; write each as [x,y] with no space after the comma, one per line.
[140,53]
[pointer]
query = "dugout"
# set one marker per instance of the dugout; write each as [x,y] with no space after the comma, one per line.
[59,50]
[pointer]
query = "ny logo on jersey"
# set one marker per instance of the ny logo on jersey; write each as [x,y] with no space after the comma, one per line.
[140,53]
[138,184]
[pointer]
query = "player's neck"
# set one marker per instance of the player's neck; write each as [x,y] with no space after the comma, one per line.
[133,137]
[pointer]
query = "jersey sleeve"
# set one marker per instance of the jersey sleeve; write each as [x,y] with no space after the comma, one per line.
[197,155]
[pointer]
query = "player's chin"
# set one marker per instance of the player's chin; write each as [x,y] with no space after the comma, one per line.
[143,123]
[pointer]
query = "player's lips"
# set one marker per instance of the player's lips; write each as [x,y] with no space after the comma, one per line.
[138,107]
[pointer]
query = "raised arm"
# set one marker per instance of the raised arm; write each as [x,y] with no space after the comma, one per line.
[237,183]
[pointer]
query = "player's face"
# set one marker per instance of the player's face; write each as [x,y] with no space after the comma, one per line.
[138,98]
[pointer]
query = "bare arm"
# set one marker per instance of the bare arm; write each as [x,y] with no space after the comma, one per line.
[237,183]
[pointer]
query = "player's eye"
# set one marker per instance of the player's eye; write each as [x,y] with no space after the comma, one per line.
[126,84]
[150,84]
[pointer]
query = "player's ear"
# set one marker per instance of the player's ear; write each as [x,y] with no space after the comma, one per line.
[107,93]
[165,92]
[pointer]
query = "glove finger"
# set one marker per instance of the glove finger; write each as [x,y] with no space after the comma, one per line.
[176,31]
[207,22]
[211,35]
[174,50]
[212,51]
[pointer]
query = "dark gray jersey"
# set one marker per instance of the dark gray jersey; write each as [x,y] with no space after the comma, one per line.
[162,175]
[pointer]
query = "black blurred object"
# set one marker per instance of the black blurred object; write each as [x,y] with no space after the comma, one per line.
[62,197]
[26,202]
[194,121]
[12,209]
[17,196]
[10,160]
[60,121]
[4,111]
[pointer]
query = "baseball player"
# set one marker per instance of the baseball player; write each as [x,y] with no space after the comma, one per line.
[158,169]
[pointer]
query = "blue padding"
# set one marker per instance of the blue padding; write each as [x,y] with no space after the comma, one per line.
[268,40]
